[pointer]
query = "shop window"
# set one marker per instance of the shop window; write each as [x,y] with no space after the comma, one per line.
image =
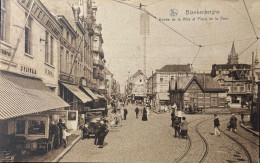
[20,127]
[36,127]
[234,99]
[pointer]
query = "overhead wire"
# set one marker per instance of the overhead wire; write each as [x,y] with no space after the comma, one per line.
[250,19]
[240,54]
[196,56]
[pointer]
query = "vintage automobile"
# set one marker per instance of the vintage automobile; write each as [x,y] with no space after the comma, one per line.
[92,121]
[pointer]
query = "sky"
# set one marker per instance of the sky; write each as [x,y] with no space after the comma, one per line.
[123,44]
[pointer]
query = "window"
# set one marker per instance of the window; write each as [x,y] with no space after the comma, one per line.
[161,80]
[46,47]
[20,127]
[62,64]
[36,127]
[51,56]
[242,89]
[67,36]
[28,36]
[67,61]
[3,20]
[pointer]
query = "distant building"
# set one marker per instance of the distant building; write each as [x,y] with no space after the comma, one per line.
[136,88]
[197,90]
[158,83]
[235,77]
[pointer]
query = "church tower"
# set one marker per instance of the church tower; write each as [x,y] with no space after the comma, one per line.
[233,56]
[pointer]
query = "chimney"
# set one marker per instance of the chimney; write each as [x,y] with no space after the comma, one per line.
[76,11]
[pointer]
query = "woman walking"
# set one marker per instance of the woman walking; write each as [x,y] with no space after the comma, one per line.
[144,118]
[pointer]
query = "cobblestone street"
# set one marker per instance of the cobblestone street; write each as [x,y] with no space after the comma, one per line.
[153,141]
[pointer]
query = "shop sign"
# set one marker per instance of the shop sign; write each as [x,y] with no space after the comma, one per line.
[67,45]
[42,16]
[48,72]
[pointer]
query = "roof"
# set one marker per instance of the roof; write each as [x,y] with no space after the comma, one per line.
[64,7]
[139,72]
[21,95]
[77,92]
[209,84]
[182,83]
[107,72]
[175,68]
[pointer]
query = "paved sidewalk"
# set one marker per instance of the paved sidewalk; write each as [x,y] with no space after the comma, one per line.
[56,154]
[248,126]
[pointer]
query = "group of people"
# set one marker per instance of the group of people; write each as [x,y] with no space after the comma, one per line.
[231,126]
[100,134]
[117,115]
[179,124]
[60,134]
[145,112]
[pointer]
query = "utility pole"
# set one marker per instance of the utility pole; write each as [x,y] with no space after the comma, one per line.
[144,30]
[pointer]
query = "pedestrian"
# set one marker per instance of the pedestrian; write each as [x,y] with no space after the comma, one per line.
[102,132]
[125,113]
[173,117]
[122,112]
[216,125]
[165,108]
[177,126]
[242,117]
[179,114]
[60,125]
[64,136]
[136,112]
[144,118]
[54,130]
[184,127]
[233,123]
[174,107]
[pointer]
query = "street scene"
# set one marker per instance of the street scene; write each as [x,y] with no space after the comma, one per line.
[129,81]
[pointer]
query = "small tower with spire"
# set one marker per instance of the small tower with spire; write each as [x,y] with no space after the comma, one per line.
[233,56]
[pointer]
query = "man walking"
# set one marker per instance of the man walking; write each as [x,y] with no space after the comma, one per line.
[173,117]
[125,113]
[177,127]
[136,112]
[242,117]
[216,125]
[102,134]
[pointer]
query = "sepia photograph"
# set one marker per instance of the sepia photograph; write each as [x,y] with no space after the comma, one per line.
[130,81]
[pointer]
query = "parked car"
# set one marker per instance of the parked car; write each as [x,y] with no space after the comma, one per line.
[93,118]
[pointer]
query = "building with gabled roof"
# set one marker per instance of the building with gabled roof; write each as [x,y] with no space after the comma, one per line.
[197,90]
[158,83]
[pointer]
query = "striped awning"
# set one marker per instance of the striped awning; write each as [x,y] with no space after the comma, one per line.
[90,93]
[77,92]
[21,95]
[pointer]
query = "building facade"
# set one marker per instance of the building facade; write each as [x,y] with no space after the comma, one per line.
[158,83]
[198,91]
[236,78]
[29,63]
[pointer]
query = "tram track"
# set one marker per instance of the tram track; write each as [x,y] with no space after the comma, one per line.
[189,144]
[240,145]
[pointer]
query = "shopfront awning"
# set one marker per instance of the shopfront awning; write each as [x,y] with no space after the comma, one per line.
[77,92]
[90,93]
[164,96]
[21,95]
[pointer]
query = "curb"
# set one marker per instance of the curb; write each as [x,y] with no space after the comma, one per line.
[249,130]
[66,149]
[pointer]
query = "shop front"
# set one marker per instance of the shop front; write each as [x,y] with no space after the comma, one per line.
[25,103]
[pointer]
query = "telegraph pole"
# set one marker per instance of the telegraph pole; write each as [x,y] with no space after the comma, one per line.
[144,31]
